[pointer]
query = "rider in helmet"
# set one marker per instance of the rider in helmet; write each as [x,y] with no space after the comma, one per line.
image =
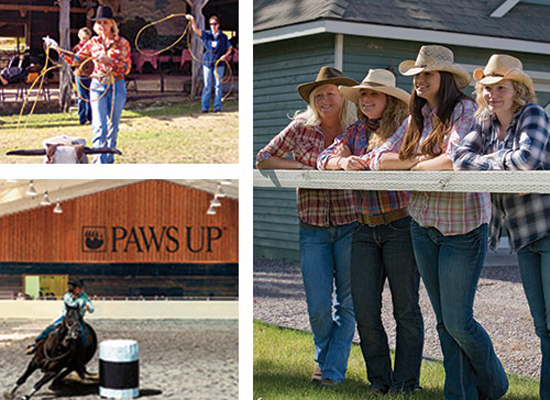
[75,296]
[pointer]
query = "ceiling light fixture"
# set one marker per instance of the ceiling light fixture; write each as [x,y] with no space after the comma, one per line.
[46,200]
[31,191]
[211,210]
[58,209]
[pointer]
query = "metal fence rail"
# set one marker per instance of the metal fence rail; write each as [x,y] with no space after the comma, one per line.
[433,181]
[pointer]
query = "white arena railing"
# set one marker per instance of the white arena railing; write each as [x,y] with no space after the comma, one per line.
[422,181]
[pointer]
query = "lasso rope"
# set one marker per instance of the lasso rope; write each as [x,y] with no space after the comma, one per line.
[42,76]
[186,31]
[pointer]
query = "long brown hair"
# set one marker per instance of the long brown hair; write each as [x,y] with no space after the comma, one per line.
[447,97]
[393,115]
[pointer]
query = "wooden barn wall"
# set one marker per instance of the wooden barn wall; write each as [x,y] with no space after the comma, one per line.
[39,23]
[226,10]
[278,69]
[219,280]
[125,219]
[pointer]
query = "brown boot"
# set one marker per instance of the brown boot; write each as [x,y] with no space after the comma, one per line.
[317,376]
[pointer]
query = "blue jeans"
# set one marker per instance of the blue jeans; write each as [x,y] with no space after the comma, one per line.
[84,105]
[534,266]
[210,81]
[450,267]
[380,252]
[107,103]
[49,328]
[326,254]
[57,323]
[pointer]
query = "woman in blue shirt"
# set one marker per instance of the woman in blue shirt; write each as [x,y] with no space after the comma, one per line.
[75,296]
[216,47]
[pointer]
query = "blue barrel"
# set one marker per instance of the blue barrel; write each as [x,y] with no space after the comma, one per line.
[119,369]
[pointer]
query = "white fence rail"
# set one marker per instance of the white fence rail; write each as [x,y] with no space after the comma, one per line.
[444,181]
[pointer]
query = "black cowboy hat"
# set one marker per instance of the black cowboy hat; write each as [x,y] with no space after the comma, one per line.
[103,13]
[76,282]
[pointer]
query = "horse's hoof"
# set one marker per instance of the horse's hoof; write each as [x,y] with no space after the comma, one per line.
[9,395]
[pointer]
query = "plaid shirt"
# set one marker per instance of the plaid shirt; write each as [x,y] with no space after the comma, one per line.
[369,202]
[526,146]
[451,213]
[118,50]
[320,207]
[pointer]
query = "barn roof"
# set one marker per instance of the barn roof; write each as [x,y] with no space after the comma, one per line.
[13,197]
[525,20]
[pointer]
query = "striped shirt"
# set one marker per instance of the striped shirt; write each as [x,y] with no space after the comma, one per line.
[369,202]
[450,213]
[526,146]
[118,50]
[319,207]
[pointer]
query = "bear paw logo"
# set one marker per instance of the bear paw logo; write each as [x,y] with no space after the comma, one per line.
[94,239]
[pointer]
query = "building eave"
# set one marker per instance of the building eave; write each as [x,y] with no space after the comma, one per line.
[399,33]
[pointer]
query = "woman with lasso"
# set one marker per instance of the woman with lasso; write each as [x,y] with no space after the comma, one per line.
[216,49]
[110,54]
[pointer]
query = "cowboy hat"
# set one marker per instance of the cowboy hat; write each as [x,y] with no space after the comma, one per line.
[379,80]
[76,282]
[436,58]
[502,66]
[103,13]
[325,76]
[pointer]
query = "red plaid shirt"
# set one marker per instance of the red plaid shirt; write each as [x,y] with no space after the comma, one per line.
[320,207]
[118,50]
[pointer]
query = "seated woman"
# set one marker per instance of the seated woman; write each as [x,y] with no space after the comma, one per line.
[11,75]
[74,297]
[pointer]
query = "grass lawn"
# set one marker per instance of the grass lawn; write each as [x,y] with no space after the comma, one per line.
[283,364]
[151,132]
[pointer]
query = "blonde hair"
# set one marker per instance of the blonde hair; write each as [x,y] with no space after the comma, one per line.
[522,96]
[393,115]
[312,118]
[114,27]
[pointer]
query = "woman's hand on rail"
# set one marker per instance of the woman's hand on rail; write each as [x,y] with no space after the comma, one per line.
[352,163]
[275,162]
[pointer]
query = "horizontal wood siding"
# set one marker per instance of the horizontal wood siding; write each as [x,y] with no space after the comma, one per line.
[39,235]
[278,69]
[220,280]
[363,53]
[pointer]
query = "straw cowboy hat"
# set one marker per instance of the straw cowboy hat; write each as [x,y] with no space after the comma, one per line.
[502,66]
[379,80]
[436,58]
[325,76]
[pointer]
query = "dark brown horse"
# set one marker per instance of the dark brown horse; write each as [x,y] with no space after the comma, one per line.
[61,353]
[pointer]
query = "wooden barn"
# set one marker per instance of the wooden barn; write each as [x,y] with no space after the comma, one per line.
[30,20]
[123,238]
[292,40]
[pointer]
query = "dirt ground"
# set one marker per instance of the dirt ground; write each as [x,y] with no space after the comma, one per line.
[178,359]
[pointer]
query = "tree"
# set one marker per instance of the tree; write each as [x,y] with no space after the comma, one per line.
[196,44]
[65,84]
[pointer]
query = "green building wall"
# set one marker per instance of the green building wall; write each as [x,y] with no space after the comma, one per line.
[280,67]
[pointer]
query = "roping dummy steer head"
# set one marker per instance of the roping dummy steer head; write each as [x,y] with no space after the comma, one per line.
[64,150]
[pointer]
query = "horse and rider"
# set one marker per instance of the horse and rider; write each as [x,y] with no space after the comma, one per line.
[66,345]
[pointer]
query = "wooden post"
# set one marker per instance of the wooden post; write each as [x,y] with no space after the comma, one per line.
[196,43]
[65,84]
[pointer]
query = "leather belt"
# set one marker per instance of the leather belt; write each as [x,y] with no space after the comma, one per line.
[106,79]
[384,218]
